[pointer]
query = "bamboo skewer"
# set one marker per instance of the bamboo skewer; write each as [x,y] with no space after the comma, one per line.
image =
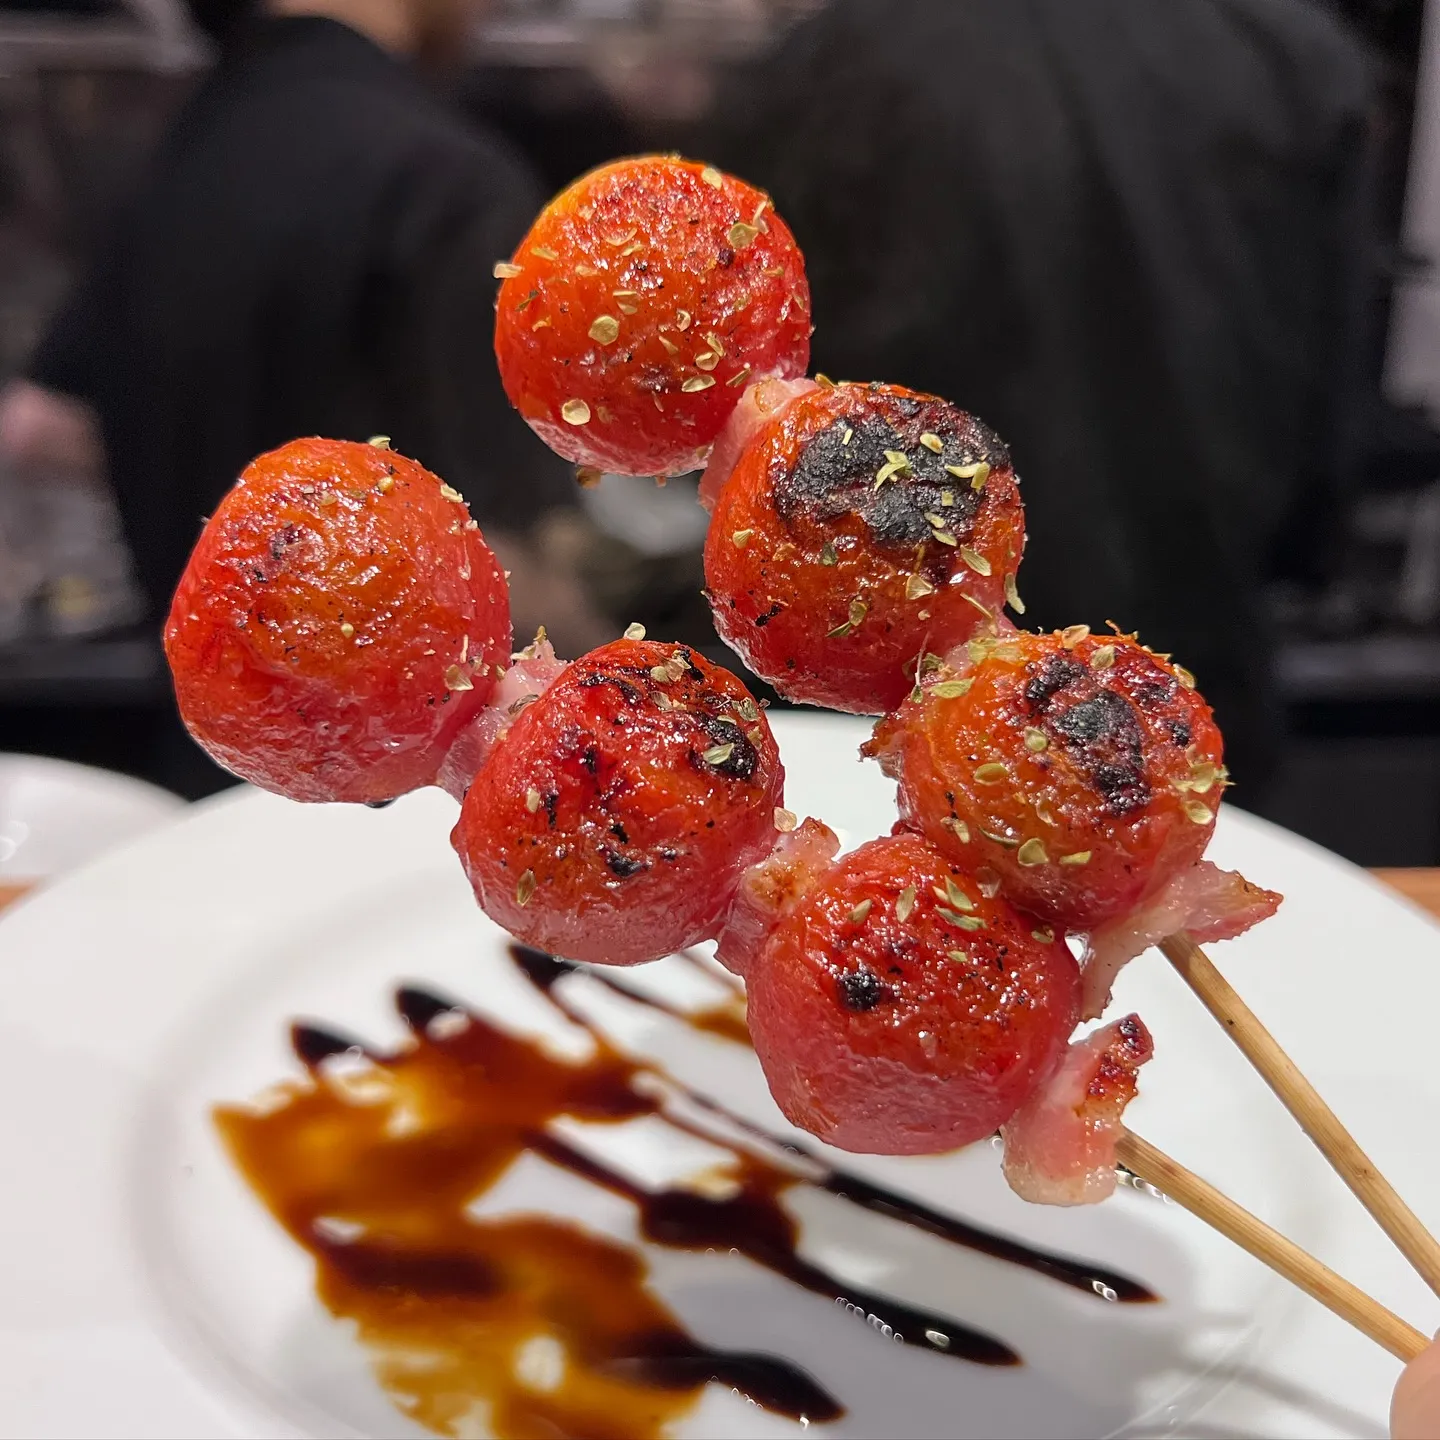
[1303,1101]
[1270,1247]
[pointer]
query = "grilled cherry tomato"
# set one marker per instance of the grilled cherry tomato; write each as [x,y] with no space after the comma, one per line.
[643,300]
[340,620]
[861,526]
[613,820]
[1077,772]
[897,1010]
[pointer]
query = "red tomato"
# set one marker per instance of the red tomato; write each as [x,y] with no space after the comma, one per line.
[341,618]
[861,526]
[612,821]
[643,300]
[897,1010]
[1076,772]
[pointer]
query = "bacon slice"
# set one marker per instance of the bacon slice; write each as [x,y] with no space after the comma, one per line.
[530,673]
[757,405]
[1204,901]
[1060,1144]
[1227,905]
[768,890]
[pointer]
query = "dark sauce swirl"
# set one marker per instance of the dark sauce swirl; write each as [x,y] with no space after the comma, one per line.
[377,1162]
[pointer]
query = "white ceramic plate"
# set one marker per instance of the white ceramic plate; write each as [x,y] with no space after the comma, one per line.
[55,815]
[143,1291]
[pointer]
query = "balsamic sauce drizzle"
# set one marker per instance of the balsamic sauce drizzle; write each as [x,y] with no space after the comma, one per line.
[543,971]
[386,1215]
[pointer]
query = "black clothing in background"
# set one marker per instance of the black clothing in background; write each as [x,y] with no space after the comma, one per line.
[563,120]
[1119,231]
[310,254]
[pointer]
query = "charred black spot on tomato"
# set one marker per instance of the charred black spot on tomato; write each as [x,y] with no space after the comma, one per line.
[1104,715]
[1152,693]
[630,693]
[1100,728]
[742,758]
[624,865]
[1048,678]
[1104,735]
[837,471]
[1180,732]
[861,989]
[574,746]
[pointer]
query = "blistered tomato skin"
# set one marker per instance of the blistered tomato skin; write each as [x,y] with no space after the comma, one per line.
[613,820]
[898,1011]
[643,300]
[339,621]
[861,526]
[1082,771]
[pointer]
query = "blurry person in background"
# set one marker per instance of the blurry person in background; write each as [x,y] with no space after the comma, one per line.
[310,253]
[1124,234]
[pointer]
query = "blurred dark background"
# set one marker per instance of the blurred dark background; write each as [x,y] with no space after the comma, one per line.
[1350,572]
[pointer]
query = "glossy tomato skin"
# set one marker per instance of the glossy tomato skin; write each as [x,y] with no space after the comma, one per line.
[614,818]
[897,1011]
[340,619]
[1081,771]
[841,547]
[643,300]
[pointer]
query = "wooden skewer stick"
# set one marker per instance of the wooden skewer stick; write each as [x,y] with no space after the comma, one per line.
[1303,1101]
[1270,1247]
